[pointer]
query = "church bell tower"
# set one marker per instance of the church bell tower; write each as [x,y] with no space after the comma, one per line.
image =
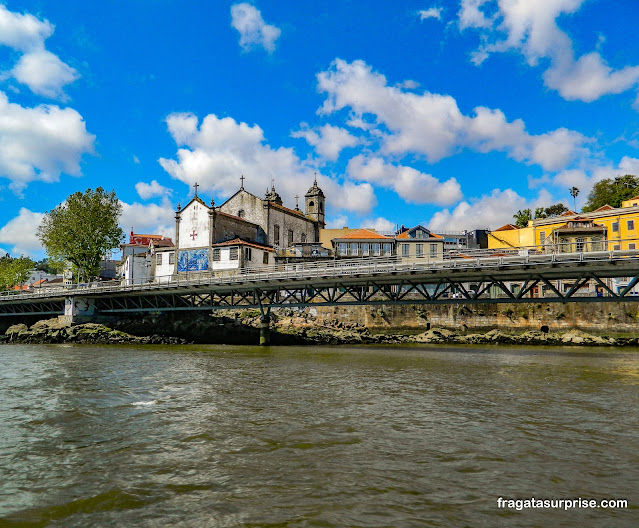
[314,199]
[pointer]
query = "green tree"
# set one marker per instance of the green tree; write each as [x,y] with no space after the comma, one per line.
[522,217]
[555,210]
[612,192]
[14,271]
[540,212]
[82,229]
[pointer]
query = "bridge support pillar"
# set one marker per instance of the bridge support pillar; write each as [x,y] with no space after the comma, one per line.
[265,329]
[78,309]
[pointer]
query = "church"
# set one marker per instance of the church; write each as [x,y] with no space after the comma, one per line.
[245,231]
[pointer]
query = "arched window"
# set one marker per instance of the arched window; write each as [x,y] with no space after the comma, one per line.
[311,204]
[240,213]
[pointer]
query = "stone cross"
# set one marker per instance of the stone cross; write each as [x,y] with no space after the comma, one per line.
[242,180]
[196,186]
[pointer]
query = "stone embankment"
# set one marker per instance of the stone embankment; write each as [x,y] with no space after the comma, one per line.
[55,331]
[288,327]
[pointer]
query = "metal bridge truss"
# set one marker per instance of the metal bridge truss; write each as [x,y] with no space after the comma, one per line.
[471,282]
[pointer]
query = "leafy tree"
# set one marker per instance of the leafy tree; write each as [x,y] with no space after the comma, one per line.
[522,217]
[540,212]
[14,270]
[612,192]
[82,229]
[555,210]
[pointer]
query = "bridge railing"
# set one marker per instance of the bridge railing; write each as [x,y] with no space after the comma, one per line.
[334,268]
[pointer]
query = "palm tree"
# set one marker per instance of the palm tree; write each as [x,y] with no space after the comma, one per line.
[574,191]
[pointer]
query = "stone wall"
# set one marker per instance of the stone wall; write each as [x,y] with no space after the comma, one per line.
[594,317]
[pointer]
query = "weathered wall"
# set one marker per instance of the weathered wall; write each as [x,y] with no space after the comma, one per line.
[594,317]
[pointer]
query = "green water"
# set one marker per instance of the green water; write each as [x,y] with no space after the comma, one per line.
[216,436]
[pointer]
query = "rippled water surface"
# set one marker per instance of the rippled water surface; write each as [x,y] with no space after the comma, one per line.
[244,437]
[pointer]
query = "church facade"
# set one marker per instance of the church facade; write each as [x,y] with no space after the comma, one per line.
[204,234]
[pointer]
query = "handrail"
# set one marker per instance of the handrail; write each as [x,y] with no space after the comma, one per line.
[333,268]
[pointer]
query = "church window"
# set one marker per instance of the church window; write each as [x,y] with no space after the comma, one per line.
[375,247]
[387,249]
[265,258]
[354,249]
[290,237]
[311,204]
[419,249]
[247,253]
[276,235]
[172,257]
[158,259]
[240,213]
[303,237]
[405,250]
[216,254]
[321,207]
[233,254]
[366,249]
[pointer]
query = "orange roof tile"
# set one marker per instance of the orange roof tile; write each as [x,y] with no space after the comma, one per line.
[363,234]
[606,207]
[507,227]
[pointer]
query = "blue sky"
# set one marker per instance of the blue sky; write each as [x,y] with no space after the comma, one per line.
[452,114]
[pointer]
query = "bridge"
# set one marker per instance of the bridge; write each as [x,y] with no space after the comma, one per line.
[559,277]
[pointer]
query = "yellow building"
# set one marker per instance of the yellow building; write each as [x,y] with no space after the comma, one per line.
[609,229]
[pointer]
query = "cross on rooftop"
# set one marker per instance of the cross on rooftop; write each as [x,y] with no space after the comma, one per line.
[242,180]
[195,185]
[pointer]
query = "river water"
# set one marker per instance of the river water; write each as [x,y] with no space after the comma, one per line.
[222,436]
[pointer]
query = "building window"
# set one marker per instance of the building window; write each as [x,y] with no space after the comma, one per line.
[247,253]
[615,227]
[419,234]
[542,237]
[276,235]
[265,259]
[375,247]
[388,249]
[233,254]
[353,249]
[433,250]
[631,225]
[631,246]
[158,259]
[303,238]
[290,237]
[616,247]
[342,248]
[366,249]
[419,250]
[172,257]
[405,250]
[216,254]
[240,213]
[579,245]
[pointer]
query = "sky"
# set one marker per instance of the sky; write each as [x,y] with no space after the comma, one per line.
[450,114]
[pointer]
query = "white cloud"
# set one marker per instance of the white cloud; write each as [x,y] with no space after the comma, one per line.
[470,16]
[379,224]
[585,178]
[336,222]
[488,211]
[149,218]
[252,28]
[531,28]
[328,140]
[432,124]
[40,143]
[431,12]
[149,190]
[42,71]
[22,32]
[217,153]
[412,185]
[19,234]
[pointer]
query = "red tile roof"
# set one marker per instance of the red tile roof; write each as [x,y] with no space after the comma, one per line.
[606,207]
[507,227]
